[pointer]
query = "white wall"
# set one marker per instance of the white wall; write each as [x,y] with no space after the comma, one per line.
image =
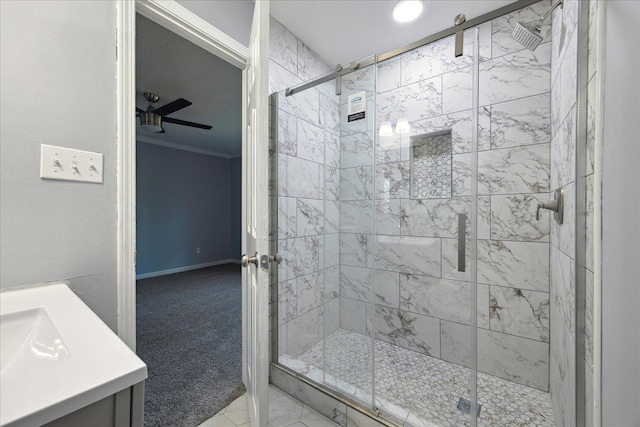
[58,86]
[621,218]
[230,16]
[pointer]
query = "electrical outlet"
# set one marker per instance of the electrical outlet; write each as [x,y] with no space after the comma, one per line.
[68,164]
[197,250]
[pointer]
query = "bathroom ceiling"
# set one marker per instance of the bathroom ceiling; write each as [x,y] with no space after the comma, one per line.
[341,31]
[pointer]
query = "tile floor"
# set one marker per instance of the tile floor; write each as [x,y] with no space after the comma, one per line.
[284,411]
[418,389]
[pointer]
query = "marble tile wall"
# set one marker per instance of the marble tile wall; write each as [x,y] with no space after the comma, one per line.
[564,148]
[308,145]
[562,237]
[405,242]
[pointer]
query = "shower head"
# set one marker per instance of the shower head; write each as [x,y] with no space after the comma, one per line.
[529,34]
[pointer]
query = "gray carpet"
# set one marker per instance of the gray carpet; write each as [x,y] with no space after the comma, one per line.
[189,333]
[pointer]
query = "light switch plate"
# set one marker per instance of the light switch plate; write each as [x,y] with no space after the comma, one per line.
[68,164]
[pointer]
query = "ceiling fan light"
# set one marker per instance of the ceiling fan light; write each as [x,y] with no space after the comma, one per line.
[151,122]
[407,10]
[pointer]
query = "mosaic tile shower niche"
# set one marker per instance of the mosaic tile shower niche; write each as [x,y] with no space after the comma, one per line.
[431,166]
[371,301]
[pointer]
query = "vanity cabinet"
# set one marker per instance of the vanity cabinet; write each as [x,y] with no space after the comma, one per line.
[123,409]
[62,366]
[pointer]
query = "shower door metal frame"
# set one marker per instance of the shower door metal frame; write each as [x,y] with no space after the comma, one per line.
[580,233]
[273,219]
[512,7]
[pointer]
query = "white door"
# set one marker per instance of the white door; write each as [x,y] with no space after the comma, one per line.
[255,222]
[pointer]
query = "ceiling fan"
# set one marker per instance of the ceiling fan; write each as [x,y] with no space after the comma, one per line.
[153,118]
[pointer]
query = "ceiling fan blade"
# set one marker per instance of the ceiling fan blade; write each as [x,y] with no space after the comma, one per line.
[185,123]
[139,110]
[176,105]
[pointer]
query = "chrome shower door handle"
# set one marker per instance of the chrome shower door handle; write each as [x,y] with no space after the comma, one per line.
[462,241]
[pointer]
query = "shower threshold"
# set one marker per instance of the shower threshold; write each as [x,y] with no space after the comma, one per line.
[418,389]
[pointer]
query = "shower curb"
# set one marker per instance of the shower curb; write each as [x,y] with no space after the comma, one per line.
[329,403]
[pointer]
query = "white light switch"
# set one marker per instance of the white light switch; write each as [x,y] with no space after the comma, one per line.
[68,164]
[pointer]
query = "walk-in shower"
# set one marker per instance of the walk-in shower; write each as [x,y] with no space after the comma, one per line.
[420,279]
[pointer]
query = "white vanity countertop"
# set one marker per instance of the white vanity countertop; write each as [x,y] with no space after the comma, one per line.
[86,362]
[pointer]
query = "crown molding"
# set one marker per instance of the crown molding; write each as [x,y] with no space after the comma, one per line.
[176,146]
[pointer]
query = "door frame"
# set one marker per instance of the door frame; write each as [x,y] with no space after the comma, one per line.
[190,26]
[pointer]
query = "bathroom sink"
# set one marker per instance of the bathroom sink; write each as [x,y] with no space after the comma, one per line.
[57,356]
[30,340]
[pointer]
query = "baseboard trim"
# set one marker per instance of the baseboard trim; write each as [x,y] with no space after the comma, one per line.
[186,268]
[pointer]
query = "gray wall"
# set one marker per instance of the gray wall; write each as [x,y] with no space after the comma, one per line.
[184,201]
[58,87]
[621,218]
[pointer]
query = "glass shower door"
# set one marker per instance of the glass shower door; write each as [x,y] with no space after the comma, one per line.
[420,278]
[517,341]
[325,228]
[308,130]
[425,230]
[348,253]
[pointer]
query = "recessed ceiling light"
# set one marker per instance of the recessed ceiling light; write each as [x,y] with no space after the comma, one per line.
[407,10]
[403,126]
[385,129]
